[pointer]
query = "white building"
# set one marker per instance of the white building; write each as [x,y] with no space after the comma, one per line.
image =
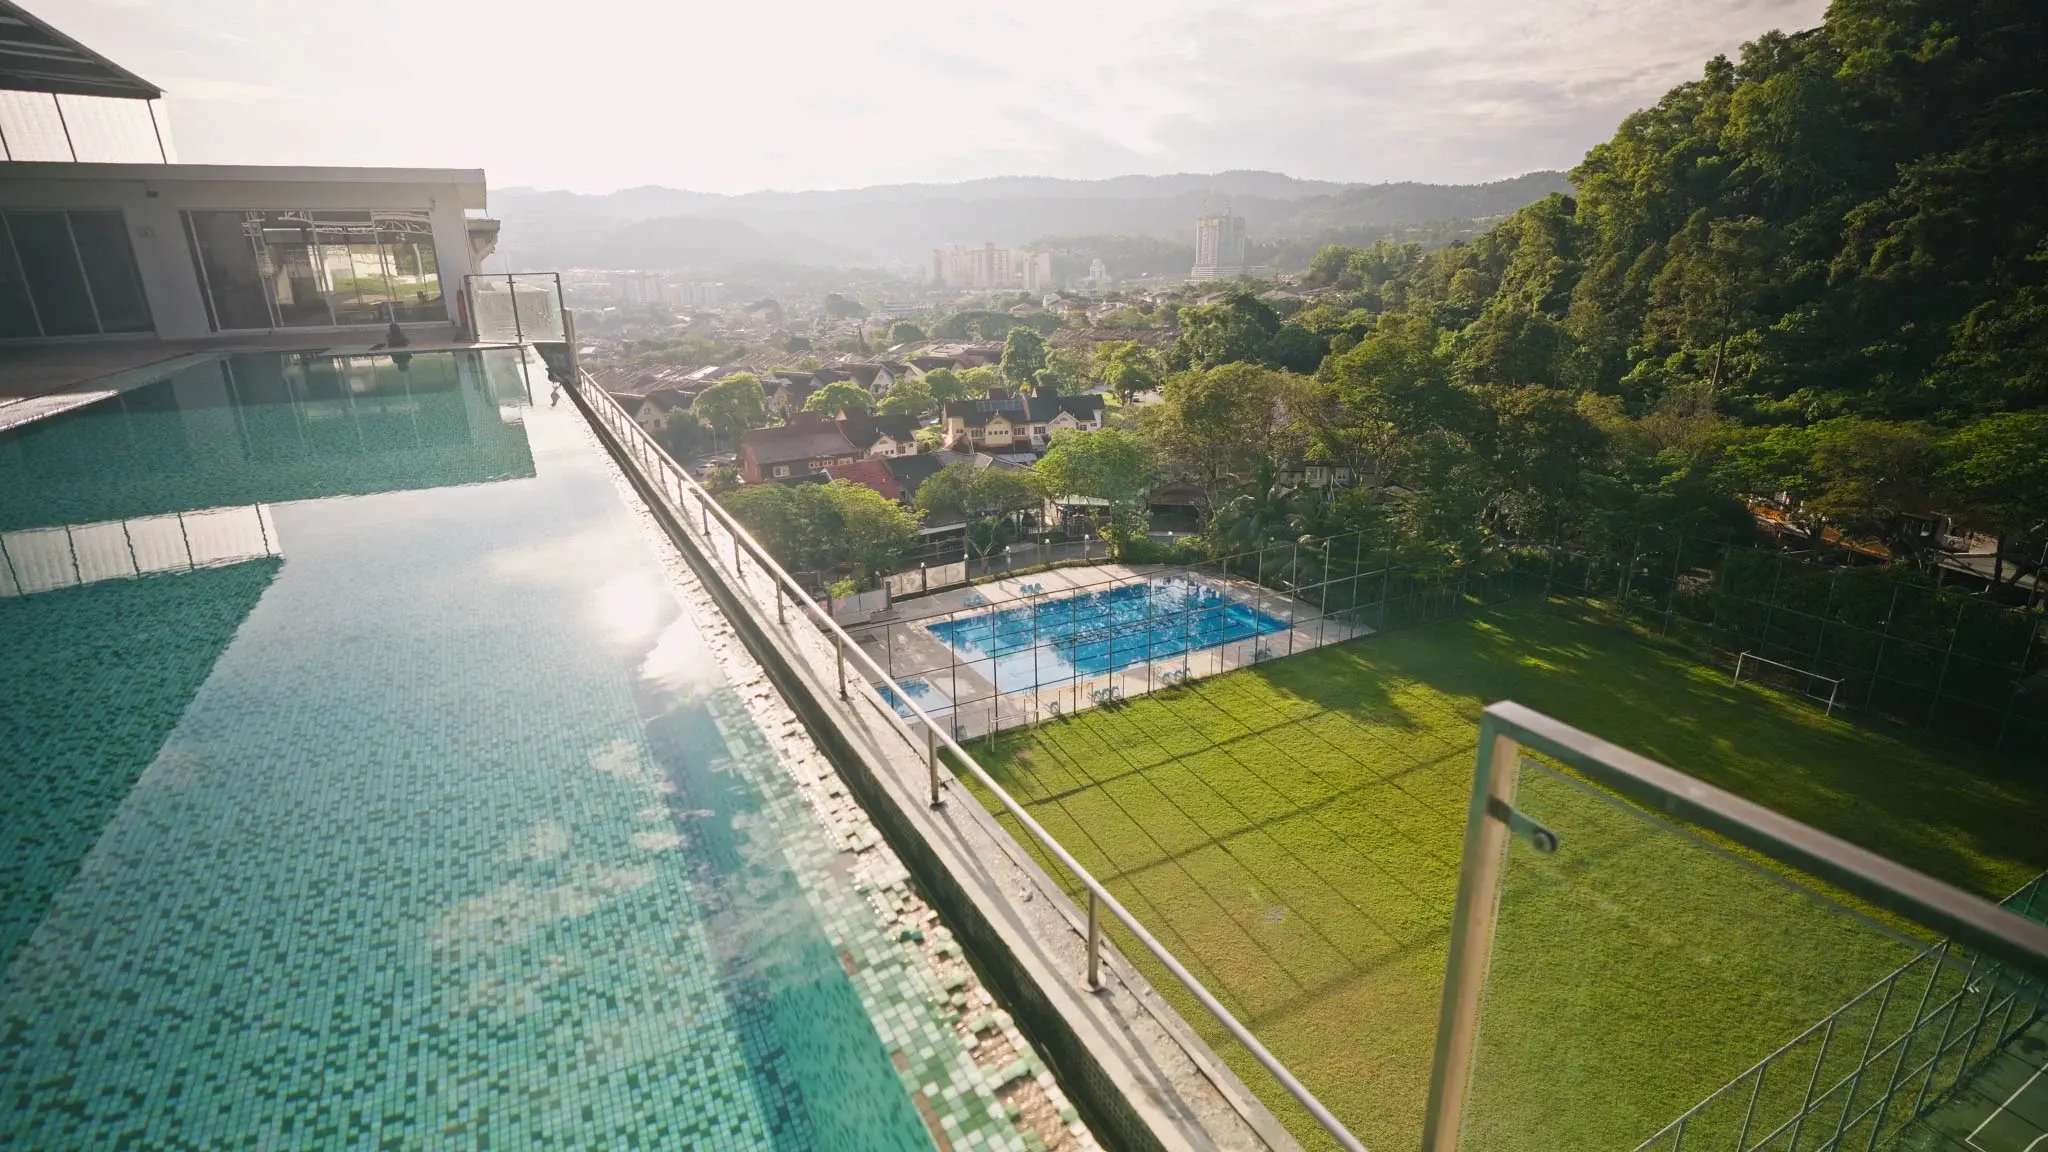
[101,236]
[186,250]
[1219,247]
[988,266]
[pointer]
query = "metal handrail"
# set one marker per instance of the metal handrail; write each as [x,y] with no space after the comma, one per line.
[1098,894]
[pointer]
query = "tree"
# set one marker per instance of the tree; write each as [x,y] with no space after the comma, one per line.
[797,523]
[1063,373]
[1296,349]
[944,385]
[909,397]
[977,381]
[1127,368]
[1023,357]
[840,396]
[873,531]
[1219,424]
[1389,389]
[1233,330]
[732,405]
[1113,465]
[819,528]
[904,332]
[961,491]
[843,308]
[1995,472]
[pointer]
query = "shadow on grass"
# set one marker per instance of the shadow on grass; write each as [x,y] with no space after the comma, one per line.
[1937,805]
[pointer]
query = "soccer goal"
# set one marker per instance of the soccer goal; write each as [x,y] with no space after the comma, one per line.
[1812,685]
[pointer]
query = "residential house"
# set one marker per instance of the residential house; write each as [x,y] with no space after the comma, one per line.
[883,436]
[871,474]
[911,472]
[1021,422]
[919,365]
[897,478]
[786,389]
[873,377]
[808,443]
[1301,474]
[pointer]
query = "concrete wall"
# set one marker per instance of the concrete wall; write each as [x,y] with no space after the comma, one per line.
[151,196]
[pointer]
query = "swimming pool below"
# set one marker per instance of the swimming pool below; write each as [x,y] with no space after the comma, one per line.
[1056,641]
[367,787]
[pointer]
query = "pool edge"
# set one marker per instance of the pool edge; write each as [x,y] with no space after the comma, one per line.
[1140,1075]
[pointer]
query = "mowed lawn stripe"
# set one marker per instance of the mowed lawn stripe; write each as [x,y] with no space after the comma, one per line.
[1292,833]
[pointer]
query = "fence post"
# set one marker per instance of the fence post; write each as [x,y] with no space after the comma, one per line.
[1820,642]
[1386,578]
[1293,594]
[931,759]
[1947,654]
[1763,642]
[1883,638]
[1258,600]
[2019,677]
[839,649]
[1677,574]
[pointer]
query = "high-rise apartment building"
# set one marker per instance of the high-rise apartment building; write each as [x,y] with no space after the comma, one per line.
[1219,247]
[957,266]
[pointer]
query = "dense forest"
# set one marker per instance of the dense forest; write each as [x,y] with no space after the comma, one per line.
[1818,271]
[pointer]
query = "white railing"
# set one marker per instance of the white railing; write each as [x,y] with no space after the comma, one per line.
[679,491]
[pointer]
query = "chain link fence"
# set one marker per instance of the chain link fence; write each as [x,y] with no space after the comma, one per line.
[1934,657]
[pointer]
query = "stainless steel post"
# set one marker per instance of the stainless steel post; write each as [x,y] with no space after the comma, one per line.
[1471,944]
[1094,941]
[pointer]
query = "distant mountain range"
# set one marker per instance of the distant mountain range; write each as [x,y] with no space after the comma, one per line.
[899,224]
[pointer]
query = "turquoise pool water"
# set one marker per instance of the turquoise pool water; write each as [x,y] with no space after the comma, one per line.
[1041,643]
[365,786]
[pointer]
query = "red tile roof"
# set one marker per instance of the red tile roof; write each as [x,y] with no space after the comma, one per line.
[869,474]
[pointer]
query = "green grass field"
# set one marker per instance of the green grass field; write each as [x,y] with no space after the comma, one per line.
[1293,833]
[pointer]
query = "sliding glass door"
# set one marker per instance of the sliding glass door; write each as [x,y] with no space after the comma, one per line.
[68,274]
[289,268]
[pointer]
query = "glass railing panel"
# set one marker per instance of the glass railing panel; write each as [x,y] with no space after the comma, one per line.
[1652,986]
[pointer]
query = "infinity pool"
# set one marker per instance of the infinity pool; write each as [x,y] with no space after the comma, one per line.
[1059,640]
[364,785]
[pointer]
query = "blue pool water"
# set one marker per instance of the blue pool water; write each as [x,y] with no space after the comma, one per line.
[933,701]
[1055,641]
[363,785]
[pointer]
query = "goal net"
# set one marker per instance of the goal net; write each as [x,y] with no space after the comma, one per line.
[1789,677]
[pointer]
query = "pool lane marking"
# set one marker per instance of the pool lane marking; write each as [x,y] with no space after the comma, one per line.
[1971,1139]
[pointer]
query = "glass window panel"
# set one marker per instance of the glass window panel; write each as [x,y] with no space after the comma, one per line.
[221,247]
[297,280]
[109,261]
[29,123]
[110,130]
[17,315]
[408,242]
[355,268]
[43,241]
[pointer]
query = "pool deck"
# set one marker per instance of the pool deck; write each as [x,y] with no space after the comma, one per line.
[899,639]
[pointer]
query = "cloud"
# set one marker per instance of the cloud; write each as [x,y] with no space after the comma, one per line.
[207,88]
[724,98]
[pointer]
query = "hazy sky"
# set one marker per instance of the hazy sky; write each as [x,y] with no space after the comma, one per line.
[601,94]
